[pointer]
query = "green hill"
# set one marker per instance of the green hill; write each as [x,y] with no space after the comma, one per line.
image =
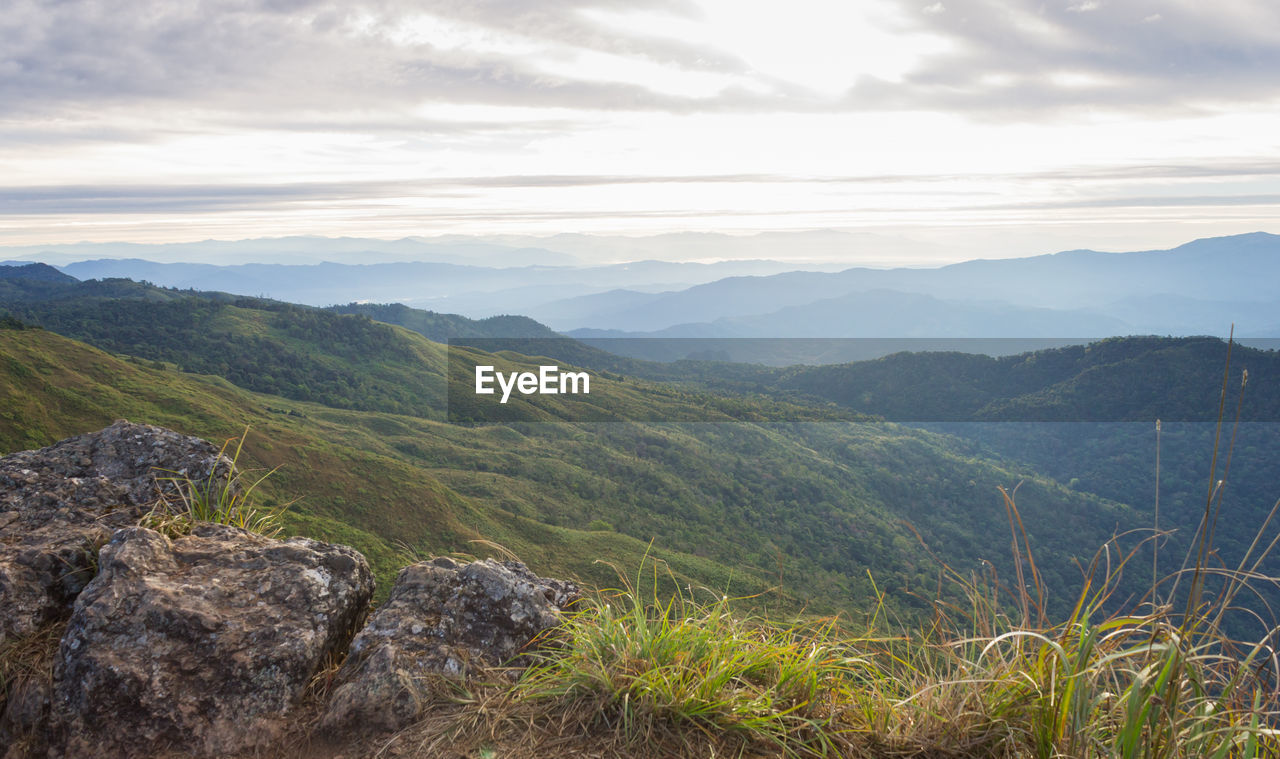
[1112,380]
[754,476]
[739,506]
[36,272]
[292,351]
[442,327]
[1086,415]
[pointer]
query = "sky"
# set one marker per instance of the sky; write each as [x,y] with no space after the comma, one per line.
[972,127]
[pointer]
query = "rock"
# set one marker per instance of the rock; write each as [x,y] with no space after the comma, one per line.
[59,504]
[200,644]
[440,619]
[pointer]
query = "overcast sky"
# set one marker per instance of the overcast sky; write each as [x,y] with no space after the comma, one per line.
[996,127]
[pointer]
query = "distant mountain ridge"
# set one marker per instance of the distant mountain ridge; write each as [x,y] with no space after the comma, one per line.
[475,290]
[564,249]
[1202,287]
[1215,275]
[890,313]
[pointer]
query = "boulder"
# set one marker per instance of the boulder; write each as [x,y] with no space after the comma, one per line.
[441,619]
[200,644]
[59,504]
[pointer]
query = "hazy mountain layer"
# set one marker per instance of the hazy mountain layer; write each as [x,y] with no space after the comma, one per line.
[1201,288]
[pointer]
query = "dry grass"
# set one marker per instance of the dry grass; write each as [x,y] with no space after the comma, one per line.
[26,667]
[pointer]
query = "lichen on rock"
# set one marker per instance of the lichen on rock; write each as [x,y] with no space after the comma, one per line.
[202,643]
[442,619]
[58,504]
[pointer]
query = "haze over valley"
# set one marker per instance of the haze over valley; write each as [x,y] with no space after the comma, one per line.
[1199,288]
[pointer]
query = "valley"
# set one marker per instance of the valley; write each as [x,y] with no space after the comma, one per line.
[799,486]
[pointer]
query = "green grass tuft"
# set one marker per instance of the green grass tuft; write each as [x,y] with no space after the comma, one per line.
[224,497]
[989,678]
[641,666]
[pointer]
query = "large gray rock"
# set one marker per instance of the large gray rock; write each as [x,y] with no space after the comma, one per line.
[200,644]
[442,618]
[59,504]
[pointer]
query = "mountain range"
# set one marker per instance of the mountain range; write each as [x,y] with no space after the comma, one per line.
[747,496]
[1202,287]
[467,288]
[797,249]
[739,506]
[1198,288]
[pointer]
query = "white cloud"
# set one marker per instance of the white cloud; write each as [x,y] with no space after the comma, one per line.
[331,112]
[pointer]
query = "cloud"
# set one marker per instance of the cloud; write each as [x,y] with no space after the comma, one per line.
[1026,58]
[326,55]
[151,198]
[1157,201]
[1222,168]
[291,62]
[195,198]
[157,198]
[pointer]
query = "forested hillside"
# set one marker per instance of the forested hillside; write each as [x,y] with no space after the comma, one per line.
[810,507]
[730,481]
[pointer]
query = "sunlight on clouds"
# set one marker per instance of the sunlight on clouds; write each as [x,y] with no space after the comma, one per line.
[495,114]
[1034,25]
[991,79]
[454,35]
[210,158]
[555,59]
[821,46]
[594,66]
[1079,79]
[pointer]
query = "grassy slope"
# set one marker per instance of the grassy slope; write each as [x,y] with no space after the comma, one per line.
[344,467]
[731,505]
